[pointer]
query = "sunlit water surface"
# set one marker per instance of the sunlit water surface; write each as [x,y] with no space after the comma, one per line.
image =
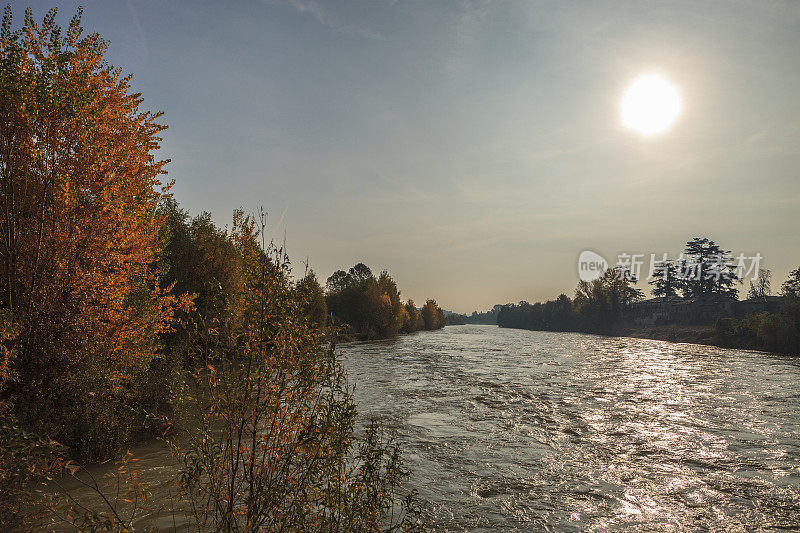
[520,430]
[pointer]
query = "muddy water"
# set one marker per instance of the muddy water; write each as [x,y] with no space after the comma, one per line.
[519,430]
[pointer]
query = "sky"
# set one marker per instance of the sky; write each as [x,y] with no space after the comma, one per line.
[472,148]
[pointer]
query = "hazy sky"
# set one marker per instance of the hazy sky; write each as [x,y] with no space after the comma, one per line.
[473,148]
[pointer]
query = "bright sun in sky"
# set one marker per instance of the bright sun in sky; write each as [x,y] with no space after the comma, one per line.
[650,104]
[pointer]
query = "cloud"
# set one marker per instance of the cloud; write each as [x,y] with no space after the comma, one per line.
[326,18]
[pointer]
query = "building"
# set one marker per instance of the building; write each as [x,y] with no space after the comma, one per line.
[655,311]
[757,305]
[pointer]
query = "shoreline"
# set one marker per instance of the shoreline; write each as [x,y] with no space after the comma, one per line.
[703,335]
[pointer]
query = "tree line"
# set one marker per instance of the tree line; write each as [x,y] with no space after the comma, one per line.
[597,307]
[455,319]
[118,311]
[485,317]
[369,307]
[707,272]
[777,331]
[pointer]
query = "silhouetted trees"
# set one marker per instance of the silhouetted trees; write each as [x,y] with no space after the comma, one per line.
[600,303]
[707,270]
[665,280]
[791,287]
[487,317]
[761,287]
[598,307]
[455,319]
[780,331]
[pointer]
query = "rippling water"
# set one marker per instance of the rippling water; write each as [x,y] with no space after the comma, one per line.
[519,430]
[524,430]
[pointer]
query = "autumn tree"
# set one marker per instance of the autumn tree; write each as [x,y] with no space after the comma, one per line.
[275,446]
[414,322]
[310,292]
[370,307]
[79,186]
[432,316]
[201,260]
[390,299]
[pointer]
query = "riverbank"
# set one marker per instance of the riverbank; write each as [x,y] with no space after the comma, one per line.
[706,335]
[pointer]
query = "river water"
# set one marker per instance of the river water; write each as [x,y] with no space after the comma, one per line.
[513,430]
[525,430]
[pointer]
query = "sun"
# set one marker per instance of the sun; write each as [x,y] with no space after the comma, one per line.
[650,105]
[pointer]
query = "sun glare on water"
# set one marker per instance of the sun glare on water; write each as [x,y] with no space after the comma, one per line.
[650,105]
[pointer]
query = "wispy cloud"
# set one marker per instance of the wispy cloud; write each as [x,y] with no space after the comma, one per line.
[325,17]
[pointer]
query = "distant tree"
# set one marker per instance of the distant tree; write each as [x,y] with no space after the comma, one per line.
[761,288]
[455,319]
[561,314]
[415,321]
[369,307]
[404,320]
[360,272]
[791,287]
[338,281]
[553,315]
[366,306]
[600,303]
[486,317]
[707,270]
[378,320]
[665,281]
[387,286]
[432,317]
[312,296]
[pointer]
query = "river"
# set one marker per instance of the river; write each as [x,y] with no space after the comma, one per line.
[527,430]
[513,430]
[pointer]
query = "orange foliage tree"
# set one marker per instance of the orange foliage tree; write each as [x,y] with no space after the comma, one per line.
[79,186]
[432,315]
